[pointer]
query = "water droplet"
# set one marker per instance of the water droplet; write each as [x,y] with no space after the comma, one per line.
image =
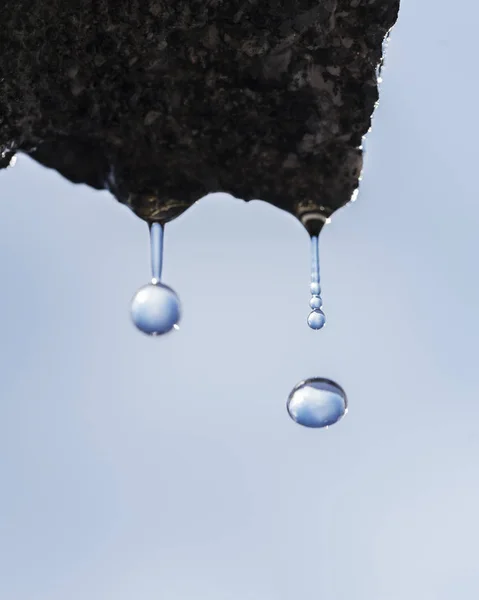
[155,309]
[317,402]
[316,319]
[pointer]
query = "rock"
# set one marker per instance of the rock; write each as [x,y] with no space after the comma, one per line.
[164,101]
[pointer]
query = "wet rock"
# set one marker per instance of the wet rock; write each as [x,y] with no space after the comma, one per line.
[164,101]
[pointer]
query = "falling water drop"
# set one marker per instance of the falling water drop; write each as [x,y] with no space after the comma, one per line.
[317,402]
[155,309]
[316,318]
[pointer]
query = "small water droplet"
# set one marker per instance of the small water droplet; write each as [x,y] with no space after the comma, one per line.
[317,402]
[316,319]
[155,308]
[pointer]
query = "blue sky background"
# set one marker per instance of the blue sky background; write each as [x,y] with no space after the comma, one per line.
[135,468]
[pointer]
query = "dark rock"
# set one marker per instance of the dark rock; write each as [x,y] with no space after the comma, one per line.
[163,101]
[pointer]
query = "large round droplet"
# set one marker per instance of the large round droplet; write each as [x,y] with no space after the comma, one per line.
[316,319]
[155,309]
[317,402]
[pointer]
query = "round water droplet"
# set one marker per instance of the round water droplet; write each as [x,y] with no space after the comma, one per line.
[155,309]
[316,319]
[317,402]
[316,303]
[315,288]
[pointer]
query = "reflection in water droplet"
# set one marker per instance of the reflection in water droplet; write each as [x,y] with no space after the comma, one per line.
[155,309]
[316,319]
[317,402]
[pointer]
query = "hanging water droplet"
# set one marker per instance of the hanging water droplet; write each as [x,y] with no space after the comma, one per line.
[316,318]
[316,303]
[317,402]
[155,309]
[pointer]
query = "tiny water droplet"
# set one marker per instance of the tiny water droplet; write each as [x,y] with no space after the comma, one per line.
[155,308]
[317,402]
[316,319]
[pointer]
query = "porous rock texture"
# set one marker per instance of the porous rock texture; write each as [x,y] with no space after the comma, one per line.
[164,101]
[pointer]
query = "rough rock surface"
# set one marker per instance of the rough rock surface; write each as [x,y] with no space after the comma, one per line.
[163,101]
